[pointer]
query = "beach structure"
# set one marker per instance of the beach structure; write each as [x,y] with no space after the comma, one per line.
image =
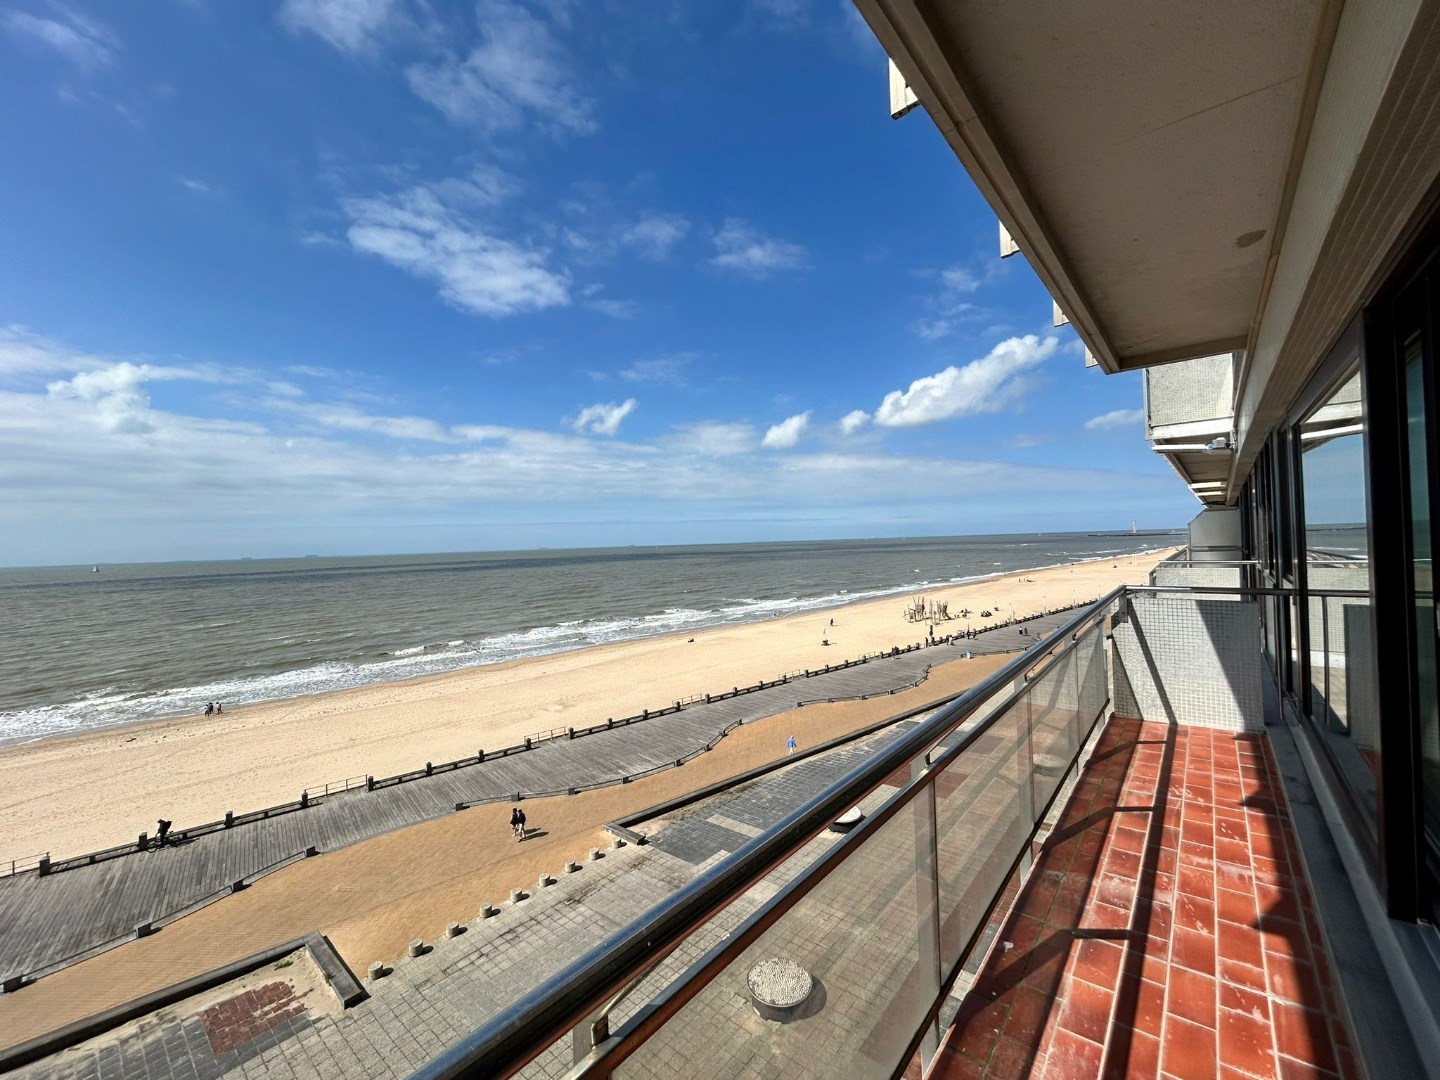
[1210,843]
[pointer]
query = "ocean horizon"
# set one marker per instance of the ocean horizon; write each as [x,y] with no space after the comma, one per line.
[92,646]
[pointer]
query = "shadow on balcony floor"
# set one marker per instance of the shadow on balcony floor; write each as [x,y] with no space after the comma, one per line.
[1166,927]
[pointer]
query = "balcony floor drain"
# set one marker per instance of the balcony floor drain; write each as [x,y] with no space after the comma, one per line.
[779,988]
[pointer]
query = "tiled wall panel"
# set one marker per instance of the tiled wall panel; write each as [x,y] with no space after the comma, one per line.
[1194,662]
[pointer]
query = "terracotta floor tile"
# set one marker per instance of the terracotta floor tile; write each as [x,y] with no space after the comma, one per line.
[1196,881]
[1028,1010]
[1122,864]
[1246,1045]
[1303,1035]
[1252,978]
[1242,943]
[1071,1056]
[954,1064]
[1192,997]
[1085,1010]
[1106,917]
[1232,852]
[1192,913]
[1237,907]
[1291,979]
[1242,999]
[1193,950]
[1282,935]
[1187,1050]
[1140,1059]
[1011,1058]
[1098,961]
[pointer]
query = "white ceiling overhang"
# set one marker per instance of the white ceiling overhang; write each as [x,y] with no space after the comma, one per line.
[1140,155]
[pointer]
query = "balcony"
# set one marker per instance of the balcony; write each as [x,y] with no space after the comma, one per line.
[1086,865]
[1190,419]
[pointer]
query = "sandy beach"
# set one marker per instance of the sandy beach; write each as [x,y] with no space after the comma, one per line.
[79,792]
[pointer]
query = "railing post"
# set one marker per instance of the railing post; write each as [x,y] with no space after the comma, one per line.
[1025,755]
[927,905]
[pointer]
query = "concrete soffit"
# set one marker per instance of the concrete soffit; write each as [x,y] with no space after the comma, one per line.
[904,32]
[1371,155]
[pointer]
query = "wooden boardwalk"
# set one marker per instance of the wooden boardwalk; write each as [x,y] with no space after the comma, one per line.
[51,920]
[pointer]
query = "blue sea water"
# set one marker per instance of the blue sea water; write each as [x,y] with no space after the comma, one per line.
[81,648]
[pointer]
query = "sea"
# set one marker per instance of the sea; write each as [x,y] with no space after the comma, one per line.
[88,646]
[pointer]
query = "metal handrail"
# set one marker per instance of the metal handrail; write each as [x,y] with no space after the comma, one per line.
[1245,590]
[514,1038]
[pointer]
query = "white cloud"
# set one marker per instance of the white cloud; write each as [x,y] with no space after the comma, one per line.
[853,421]
[653,235]
[430,230]
[604,418]
[710,438]
[668,370]
[190,183]
[85,42]
[1026,441]
[519,73]
[786,434]
[1114,419]
[983,385]
[741,247]
[349,25]
[120,404]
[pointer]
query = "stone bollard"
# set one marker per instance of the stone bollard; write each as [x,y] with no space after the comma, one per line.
[527,742]
[145,929]
[516,895]
[453,929]
[417,948]
[571,866]
[480,756]
[237,885]
[369,783]
[304,799]
[43,866]
[596,854]
[488,911]
[229,819]
[569,733]
[618,842]
[546,881]
[429,769]
[377,971]
[144,842]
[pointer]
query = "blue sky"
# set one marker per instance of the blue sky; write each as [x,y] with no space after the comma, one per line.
[348,276]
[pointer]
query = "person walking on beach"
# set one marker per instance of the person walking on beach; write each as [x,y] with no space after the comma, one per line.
[209,707]
[219,708]
[517,823]
[790,745]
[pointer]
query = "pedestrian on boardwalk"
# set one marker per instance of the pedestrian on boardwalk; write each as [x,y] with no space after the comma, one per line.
[162,832]
[790,745]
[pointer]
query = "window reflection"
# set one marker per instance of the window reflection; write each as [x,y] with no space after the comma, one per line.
[1338,651]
